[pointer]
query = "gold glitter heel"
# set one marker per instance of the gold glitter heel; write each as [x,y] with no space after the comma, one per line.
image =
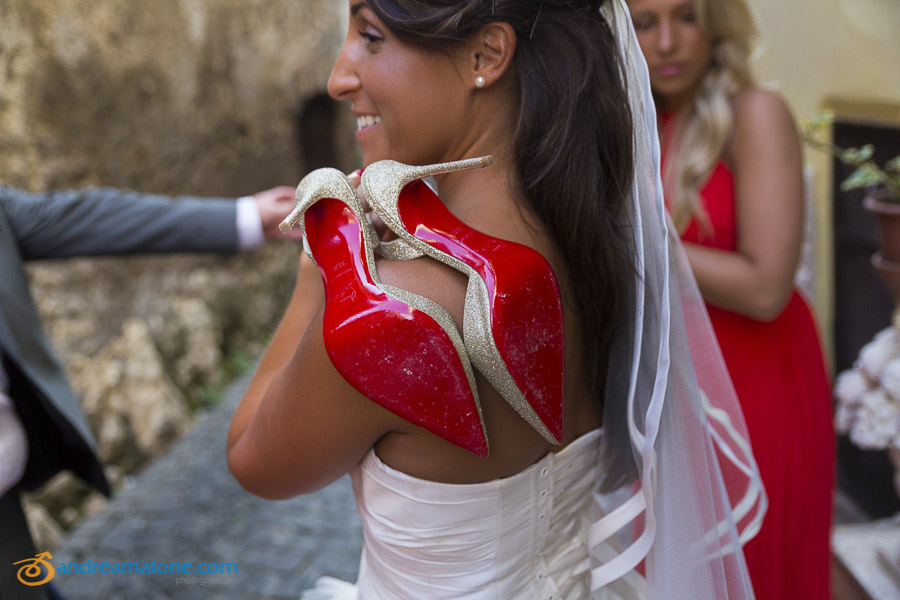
[513,323]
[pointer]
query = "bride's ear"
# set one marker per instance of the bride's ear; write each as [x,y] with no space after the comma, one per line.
[490,54]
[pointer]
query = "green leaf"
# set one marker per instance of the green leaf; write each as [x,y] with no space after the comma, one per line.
[857,156]
[893,165]
[866,175]
[821,120]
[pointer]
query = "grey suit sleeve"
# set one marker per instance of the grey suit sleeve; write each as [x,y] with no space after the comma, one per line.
[101,221]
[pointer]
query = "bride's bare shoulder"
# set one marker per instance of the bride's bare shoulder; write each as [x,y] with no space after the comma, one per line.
[428,278]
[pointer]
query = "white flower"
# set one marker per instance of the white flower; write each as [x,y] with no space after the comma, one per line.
[888,334]
[844,418]
[850,386]
[878,421]
[890,378]
[876,354]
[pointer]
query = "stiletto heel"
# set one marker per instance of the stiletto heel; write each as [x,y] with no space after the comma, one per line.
[397,348]
[513,324]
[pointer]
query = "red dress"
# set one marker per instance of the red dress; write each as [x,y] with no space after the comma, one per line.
[780,378]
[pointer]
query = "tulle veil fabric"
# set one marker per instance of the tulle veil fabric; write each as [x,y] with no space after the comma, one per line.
[697,496]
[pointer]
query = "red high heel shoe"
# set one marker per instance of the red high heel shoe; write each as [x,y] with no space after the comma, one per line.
[513,325]
[397,348]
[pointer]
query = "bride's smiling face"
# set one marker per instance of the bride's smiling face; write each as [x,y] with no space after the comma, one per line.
[407,101]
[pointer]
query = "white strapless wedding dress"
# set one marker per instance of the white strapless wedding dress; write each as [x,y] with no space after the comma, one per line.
[522,537]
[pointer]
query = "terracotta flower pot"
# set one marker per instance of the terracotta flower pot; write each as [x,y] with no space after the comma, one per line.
[889,271]
[888,216]
[894,455]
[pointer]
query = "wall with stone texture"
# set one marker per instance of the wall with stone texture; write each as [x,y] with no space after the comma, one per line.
[205,97]
[187,96]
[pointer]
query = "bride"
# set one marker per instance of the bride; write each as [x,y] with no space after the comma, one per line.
[515,367]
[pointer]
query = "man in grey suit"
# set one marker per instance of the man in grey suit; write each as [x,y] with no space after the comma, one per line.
[42,428]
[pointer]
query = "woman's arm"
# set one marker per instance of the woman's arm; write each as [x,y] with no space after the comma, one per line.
[300,425]
[757,280]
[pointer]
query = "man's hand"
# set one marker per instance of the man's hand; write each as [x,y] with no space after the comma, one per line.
[274,205]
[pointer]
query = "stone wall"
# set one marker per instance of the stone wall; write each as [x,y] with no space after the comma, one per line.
[204,97]
[180,96]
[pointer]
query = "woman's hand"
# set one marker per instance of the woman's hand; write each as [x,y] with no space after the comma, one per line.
[384,234]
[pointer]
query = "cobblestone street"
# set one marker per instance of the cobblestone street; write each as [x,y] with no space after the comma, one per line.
[186,507]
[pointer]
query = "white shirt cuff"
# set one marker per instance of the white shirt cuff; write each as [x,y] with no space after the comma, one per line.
[249,224]
[13,446]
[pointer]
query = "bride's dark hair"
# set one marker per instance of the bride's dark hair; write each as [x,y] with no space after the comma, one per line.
[573,144]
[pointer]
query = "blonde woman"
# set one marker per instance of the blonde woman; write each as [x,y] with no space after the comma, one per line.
[732,174]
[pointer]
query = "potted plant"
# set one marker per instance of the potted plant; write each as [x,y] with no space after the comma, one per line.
[882,179]
[868,394]
[882,199]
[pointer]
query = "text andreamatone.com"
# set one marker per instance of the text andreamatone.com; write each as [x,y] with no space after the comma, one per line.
[146,568]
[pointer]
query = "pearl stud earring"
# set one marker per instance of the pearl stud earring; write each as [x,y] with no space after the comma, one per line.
[480,82]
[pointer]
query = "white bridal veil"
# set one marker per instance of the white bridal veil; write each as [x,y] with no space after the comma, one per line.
[698,495]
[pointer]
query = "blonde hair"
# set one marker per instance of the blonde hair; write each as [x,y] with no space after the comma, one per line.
[702,134]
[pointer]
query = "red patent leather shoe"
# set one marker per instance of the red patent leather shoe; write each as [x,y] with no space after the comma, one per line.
[397,348]
[513,324]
